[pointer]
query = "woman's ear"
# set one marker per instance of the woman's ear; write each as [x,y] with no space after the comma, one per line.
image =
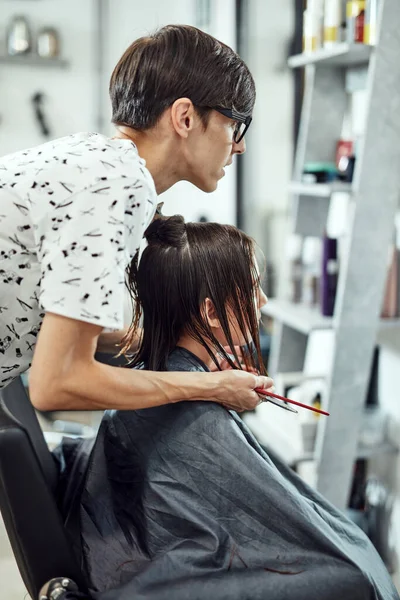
[210,314]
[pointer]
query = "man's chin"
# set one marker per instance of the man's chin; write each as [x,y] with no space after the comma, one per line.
[206,186]
[211,187]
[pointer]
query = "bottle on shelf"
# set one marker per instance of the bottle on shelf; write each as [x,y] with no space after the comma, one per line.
[48,43]
[390,299]
[345,159]
[357,495]
[332,23]
[329,275]
[355,21]
[370,26]
[311,260]
[311,38]
[312,26]
[19,37]
[319,172]
[294,252]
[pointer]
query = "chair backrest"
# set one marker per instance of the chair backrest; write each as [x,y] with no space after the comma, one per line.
[17,403]
[28,476]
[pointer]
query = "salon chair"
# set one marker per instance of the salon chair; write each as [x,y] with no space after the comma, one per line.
[28,481]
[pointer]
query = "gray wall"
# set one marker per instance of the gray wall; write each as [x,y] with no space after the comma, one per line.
[268,161]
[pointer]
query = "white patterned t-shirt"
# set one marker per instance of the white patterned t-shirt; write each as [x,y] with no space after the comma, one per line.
[72,215]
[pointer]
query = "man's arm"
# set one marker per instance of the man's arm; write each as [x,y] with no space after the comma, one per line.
[65,376]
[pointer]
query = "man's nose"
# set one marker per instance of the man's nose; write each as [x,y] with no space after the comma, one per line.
[239,148]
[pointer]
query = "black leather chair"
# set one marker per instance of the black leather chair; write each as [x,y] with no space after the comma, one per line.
[28,478]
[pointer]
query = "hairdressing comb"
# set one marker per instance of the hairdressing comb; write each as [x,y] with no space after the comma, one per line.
[283,402]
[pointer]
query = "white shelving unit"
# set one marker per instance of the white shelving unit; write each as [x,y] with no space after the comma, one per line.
[318,190]
[281,439]
[306,319]
[297,316]
[343,55]
[374,196]
[33,60]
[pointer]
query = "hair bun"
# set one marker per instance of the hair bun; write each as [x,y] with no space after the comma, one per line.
[169,231]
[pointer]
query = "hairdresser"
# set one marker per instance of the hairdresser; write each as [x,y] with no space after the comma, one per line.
[73,213]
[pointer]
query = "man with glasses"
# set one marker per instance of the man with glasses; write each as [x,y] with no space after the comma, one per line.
[73,215]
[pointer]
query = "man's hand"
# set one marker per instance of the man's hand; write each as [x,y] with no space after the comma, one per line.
[235,389]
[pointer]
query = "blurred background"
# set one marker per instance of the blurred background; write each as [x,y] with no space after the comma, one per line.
[317,189]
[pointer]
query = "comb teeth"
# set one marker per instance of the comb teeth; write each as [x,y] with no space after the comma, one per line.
[269,395]
[276,402]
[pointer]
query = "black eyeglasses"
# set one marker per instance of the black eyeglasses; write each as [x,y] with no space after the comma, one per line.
[242,123]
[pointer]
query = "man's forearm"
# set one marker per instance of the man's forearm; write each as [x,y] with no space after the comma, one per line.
[65,375]
[101,387]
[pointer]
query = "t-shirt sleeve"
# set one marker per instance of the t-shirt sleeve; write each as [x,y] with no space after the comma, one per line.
[84,246]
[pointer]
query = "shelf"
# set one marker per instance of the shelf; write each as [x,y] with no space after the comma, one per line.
[279,436]
[305,319]
[388,325]
[363,452]
[319,190]
[368,452]
[299,317]
[32,60]
[343,55]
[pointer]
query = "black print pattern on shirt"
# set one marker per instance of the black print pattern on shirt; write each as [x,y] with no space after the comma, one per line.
[73,212]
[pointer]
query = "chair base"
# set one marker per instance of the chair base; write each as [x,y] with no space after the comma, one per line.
[59,588]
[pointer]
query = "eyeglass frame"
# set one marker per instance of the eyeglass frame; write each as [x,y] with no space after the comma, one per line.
[235,116]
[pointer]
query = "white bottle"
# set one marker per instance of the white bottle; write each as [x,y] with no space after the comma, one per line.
[312,26]
[371,19]
[332,23]
[294,246]
[310,33]
[311,259]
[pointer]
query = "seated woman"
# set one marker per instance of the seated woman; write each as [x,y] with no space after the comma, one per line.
[180,501]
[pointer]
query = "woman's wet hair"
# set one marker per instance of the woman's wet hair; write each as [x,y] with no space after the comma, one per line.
[178,61]
[182,265]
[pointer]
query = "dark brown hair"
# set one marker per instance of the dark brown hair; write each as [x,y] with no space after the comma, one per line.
[183,264]
[178,61]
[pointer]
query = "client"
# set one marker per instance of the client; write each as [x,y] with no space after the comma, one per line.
[180,501]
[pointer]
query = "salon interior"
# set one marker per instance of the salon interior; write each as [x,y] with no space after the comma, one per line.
[317,189]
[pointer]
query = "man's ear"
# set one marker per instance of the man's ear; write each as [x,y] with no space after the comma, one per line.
[210,314]
[183,116]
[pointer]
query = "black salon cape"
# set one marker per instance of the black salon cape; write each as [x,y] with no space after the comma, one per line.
[181,503]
